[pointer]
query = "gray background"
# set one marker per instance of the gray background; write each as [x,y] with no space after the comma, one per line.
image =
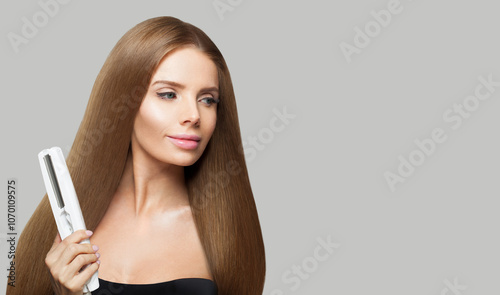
[322,176]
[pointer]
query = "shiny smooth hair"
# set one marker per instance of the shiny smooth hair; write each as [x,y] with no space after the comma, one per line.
[219,189]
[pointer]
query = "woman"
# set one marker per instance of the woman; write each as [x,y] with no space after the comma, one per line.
[166,211]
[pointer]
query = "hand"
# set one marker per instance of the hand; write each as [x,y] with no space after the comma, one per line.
[65,260]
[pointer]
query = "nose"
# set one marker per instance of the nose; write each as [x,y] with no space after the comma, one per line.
[190,113]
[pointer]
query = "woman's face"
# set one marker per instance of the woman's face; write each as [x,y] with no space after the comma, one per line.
[178,113]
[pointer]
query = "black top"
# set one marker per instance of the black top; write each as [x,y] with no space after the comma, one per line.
[188,286]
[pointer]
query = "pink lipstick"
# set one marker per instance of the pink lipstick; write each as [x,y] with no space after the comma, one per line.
[185,141]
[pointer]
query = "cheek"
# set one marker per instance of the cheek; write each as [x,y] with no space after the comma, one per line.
[149,123]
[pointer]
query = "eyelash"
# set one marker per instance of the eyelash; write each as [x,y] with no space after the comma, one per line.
[163,95]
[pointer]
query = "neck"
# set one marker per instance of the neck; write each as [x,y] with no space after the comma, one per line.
[149,187]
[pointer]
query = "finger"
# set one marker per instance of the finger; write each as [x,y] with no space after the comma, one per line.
[86,274]
[67,250]
[59,248]
[77,264]
[77,236]
[83,261]
[72,251]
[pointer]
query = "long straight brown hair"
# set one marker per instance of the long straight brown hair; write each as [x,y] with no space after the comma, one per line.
[219,189]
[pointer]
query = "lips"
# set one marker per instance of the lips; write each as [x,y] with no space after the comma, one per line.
[186,137]
[185,141]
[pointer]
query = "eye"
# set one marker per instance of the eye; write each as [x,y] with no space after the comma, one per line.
[210,100]
[167,95]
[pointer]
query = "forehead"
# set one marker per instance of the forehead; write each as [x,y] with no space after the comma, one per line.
[188,66]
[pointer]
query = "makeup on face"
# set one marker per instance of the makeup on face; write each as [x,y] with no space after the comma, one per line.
[185,141]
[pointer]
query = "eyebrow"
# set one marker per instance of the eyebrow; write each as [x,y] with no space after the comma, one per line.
[178,85]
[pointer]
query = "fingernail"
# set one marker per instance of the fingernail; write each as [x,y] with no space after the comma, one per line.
[98,261]
[98,255]
[95,247]
[89,232]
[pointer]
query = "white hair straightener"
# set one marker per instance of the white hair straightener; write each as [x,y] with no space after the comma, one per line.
[63,200]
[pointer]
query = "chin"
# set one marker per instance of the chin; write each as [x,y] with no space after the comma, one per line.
[184,161]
